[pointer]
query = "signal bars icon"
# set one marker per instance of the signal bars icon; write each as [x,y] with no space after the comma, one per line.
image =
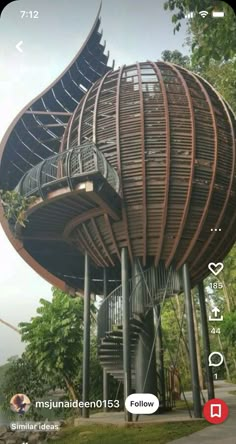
[190,15]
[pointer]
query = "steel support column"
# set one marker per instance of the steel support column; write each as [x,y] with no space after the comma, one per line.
[86,342]
[192,343]
[138,286]
[105,389]
[206,341]
[160,358]
[126,327]
[145,363]
[105,373]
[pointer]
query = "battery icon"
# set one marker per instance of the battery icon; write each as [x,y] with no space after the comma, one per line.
[218,14]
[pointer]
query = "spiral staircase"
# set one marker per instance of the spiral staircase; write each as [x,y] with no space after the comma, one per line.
[144,296]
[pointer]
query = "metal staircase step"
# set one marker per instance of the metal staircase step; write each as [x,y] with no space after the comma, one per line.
[110,349]
[116,340]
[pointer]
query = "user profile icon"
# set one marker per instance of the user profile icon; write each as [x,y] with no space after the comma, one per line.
[20,403]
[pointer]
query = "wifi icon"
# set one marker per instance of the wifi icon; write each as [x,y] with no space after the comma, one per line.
[203,14]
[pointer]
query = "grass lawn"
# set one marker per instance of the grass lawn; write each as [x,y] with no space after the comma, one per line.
[150,433]
[181,405]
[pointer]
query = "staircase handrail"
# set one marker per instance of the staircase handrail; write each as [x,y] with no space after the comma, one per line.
[110,311]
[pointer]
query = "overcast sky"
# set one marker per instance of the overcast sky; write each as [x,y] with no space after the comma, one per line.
[135,30]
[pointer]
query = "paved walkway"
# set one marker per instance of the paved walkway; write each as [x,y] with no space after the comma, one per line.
[220,434]
[117,418]
[217,434]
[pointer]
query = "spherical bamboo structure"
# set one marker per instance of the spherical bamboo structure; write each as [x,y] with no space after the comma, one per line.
[154,145]
[171,138]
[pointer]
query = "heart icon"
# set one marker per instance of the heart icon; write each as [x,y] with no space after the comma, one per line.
[215,268]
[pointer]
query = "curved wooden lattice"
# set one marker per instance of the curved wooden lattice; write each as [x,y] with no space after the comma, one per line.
[169,137]
[172,139]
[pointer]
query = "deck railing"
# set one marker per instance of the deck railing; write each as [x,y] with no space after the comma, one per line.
[67,169]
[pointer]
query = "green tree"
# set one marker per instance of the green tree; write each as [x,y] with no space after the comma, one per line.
[222,77]
[229,329]
[210,39]
[175,338]
[54,340]
[53,355]
[15,206]
[228,337]
[22,376]
[175,57]
[3,371]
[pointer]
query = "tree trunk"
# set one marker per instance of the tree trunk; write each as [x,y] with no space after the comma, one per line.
[178,306]
[71,391]
[198,349]
[226,295]
[234,361]
[226,365]
[179,315]
[183,353]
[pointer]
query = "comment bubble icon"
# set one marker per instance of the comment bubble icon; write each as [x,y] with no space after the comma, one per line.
[211,359]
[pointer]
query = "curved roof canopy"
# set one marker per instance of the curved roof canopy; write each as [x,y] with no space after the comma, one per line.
[36,134]
[37,131]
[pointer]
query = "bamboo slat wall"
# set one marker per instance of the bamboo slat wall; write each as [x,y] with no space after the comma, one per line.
[171,138]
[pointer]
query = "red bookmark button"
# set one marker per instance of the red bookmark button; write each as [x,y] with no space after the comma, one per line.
[215,411]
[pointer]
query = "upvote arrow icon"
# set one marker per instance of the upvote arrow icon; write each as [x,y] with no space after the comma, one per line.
[215,311]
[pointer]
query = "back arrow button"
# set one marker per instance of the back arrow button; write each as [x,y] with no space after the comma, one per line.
[18,46]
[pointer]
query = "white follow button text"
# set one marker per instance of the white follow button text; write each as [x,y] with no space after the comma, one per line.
[142,403]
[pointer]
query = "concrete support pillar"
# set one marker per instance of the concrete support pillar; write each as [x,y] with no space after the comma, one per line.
[86,342]
[192,343]
[126,327]
[105,373]
[160,359]
[206,341]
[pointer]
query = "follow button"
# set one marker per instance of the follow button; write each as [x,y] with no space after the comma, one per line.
[142,403]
